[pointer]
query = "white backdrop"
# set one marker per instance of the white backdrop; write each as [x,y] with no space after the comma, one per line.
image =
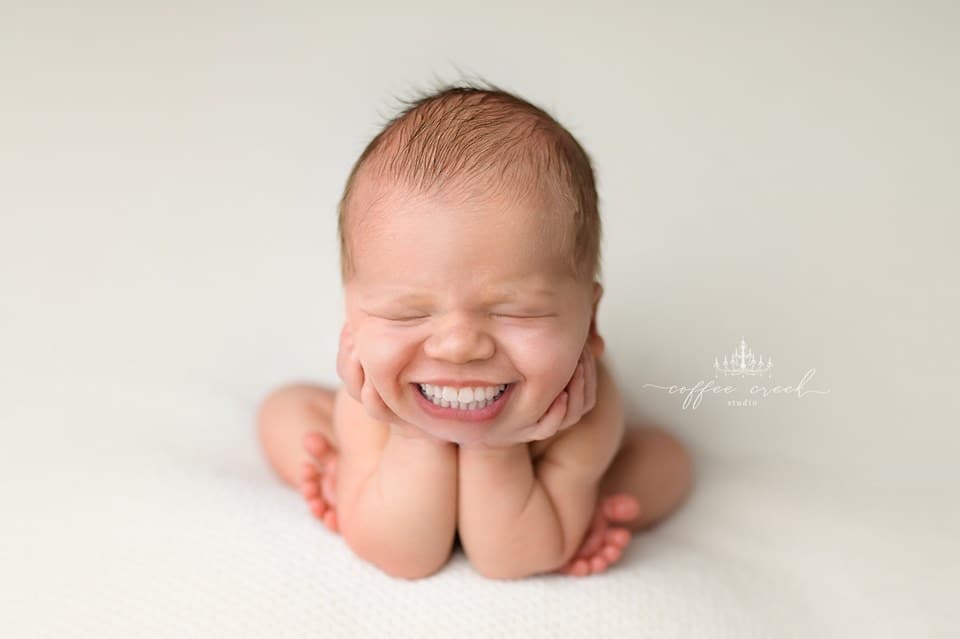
[168,180]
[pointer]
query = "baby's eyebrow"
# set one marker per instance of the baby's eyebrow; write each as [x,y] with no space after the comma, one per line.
[504,294]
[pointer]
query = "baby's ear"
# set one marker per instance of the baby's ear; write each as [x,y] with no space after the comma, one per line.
[597,294]
[594,341]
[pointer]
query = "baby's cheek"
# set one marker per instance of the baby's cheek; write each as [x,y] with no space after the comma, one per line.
[545,359]
[545,372]
[388,355]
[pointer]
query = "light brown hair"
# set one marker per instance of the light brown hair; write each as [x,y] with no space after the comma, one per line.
[461,136]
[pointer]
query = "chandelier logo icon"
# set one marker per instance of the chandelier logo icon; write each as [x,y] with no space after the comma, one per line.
[742,363]
[745,364]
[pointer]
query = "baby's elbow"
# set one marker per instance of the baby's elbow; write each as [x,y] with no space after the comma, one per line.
[411,570]
[504,570]
[544,556]
[507,571]
[499,574]
[394,561]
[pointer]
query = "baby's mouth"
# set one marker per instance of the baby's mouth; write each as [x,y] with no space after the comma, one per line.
[434,395]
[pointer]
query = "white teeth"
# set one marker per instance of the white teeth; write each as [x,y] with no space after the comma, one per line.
[462,398]
[463,395]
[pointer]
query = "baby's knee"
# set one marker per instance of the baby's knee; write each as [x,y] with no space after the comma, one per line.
[666,457]
[675,458]
[292,402]
[274,407]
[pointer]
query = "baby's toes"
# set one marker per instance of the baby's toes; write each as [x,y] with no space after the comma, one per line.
[621,507]
[329,482]
[577,568]
[312,493]
[309,473]
[618,537]
[330,519]
[311,490]
[612,553]
[317,446]
[615,540]
[319,508]
[598,563]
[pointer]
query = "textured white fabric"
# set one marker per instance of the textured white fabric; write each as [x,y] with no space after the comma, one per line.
[142,508]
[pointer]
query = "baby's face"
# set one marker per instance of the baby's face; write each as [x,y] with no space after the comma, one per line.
[449,293]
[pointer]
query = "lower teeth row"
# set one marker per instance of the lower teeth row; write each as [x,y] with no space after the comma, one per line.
[457,405]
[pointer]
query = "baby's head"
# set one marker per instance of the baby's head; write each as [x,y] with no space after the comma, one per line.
[470,253]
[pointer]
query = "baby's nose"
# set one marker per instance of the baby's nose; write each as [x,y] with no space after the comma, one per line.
[460,344]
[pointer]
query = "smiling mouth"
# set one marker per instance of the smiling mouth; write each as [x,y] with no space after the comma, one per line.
[474,405]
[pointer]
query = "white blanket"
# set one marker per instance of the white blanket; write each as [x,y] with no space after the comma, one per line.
[142,507]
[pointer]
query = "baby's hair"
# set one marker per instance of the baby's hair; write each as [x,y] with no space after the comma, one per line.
[460,136]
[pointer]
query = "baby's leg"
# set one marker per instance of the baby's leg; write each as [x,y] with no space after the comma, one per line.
[285,417]
[296,432]
[654,467]
[647,480]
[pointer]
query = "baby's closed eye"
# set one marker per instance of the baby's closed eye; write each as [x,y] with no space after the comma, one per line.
[400,317]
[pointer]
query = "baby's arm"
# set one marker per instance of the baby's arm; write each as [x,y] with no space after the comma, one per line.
[396,493]
[509,526]
[518,518]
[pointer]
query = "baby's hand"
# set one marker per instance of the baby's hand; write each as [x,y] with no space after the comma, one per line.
[355,380]
[360,388]
[584,396]
[577,399]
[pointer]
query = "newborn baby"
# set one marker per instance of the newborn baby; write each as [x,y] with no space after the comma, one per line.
[476,406]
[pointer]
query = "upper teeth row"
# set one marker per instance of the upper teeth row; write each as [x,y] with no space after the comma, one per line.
[462,395]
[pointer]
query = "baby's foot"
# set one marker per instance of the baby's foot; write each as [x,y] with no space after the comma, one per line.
[318,479]
[603,544]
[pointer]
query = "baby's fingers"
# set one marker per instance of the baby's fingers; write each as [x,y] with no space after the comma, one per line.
[549,424]
[328,485]
[590,382]
[576,405]
[317,447]
[373,403]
